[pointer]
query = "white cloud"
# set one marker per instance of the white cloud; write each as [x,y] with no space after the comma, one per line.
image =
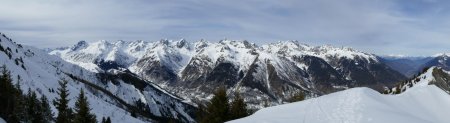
[378,26]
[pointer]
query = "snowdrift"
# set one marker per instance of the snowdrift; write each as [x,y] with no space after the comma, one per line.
[420,104]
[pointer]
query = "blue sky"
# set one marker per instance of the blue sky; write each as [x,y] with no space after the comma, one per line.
[408,27]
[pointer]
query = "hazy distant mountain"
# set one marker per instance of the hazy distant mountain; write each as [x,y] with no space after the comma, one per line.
[440,60]
[408,66]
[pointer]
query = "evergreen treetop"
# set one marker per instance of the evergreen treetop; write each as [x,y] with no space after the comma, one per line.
[61,104]
[238,107]
[82,110]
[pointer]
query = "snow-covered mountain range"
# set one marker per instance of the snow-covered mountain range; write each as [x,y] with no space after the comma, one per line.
[422,99]
[272,72]
[169,76]
[111,93]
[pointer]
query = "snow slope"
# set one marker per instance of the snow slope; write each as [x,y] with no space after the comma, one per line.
[421,104]
[2,121]
[41,72]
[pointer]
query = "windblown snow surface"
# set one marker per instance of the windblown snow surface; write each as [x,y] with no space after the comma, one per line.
[419,104]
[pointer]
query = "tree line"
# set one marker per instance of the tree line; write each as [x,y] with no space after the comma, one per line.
[220,110]
[17,107]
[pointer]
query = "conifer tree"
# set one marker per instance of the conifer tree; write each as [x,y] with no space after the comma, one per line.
[238,108]
[46,112]
[200,113]
[82,110]
[133,113]
[266,103]
[108,120]
[19,104]
[142,106]
[16,107]
[297,97]
[218,109]
[7,93]
[61,104]
[33,108]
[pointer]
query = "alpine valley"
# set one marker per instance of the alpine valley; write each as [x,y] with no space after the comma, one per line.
[270,73]
[170,78]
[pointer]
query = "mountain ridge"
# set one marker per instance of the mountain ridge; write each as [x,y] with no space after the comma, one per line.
[113,97]
[272,72]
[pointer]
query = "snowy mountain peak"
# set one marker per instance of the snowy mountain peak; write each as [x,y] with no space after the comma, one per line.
[182,43]
[164,41]
[201,44]
[285,48]
[120,43]
[290,43]
[327,52]
[238,44]
[171,44]
[442,55]
[341,51]
[80,45]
